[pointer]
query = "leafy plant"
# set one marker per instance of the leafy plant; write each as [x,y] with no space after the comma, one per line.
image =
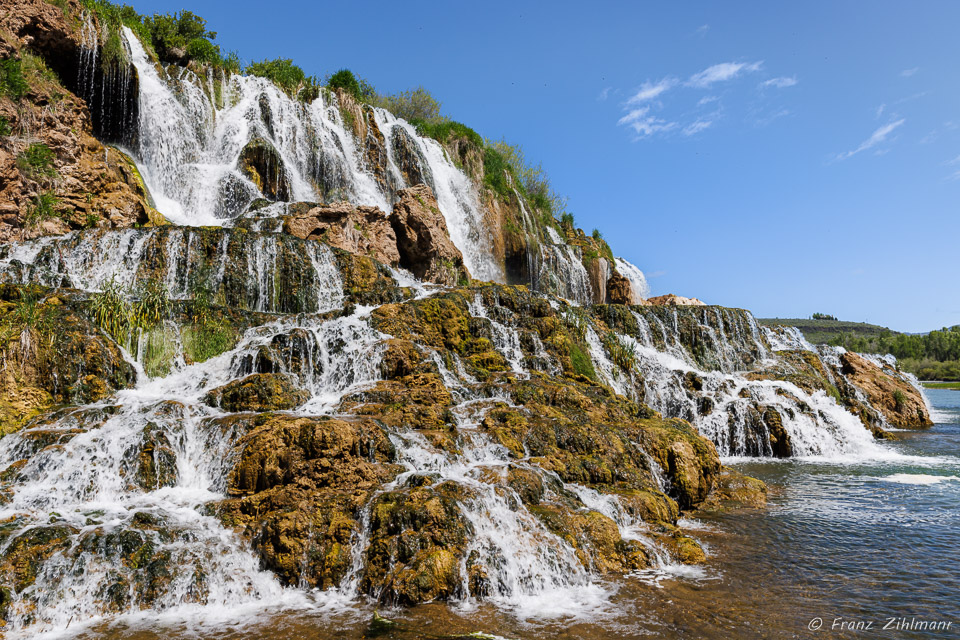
[43,207]
[12,82]
[283,73]
[37,161]
[496,171]
[443,129]
[621,353]
[415,105]
[346,82]
[567,221]
[899,399]
[111,311]
[152,304]
[5,128]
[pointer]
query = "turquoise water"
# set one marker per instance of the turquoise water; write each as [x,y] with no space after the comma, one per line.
[857,543]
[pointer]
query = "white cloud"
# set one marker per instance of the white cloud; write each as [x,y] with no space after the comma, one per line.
[603,94]
[780,83]
[906,73]
[649,90]
[644,124]
[707,100]
[880,109]
[878,136]
[696,127]
[776,115]
[702,29]
[954,161]
[721,72]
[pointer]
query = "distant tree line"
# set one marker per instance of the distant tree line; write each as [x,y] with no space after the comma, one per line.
[823,316]
[932,356]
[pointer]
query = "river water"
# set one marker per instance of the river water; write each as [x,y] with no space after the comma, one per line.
[868,543]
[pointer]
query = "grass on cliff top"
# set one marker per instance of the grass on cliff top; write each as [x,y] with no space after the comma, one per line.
[954,386]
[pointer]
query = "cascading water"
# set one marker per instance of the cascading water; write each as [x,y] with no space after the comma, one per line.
[638,281]
[190,152]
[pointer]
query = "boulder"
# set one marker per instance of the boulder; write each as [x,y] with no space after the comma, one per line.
[365,231]
[888,391]
[258,392]
[619,290]
[423,240]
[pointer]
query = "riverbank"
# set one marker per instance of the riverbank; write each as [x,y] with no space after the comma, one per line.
[953,386]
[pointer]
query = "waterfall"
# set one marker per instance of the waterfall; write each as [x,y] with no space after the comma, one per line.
[562,271]
[190,152]
[456,196]
[638,282]
[262,272]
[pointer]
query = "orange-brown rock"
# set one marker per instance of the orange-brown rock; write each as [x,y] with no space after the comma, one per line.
[93,185]
[361,230]
[886,389]
[423,240]
[675,301]
[619,290]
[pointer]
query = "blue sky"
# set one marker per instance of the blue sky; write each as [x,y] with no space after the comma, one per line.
[785,158]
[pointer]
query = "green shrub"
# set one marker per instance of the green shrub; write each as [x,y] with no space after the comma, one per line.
[443,130]
[621,353]
[5,128]
[415,105]
[36,161]
[899,399]
[283,73]
[346,82]
[495,170]
[567,221]
[43,207]
[12,83]
[152,305]
[204,51]
[111,311]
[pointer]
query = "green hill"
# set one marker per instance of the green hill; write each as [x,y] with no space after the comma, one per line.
[825,331]
[930,356]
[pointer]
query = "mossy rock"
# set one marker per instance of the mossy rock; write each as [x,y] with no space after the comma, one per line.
[258,392]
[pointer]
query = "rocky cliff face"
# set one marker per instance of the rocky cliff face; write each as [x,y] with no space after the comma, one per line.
[54,174]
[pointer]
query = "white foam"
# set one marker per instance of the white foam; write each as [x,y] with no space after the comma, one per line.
[919,479]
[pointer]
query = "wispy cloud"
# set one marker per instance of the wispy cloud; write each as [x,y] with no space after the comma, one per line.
[604,94]
[650,90]
[703,29]
[656,274]
[954,161]
[780,83]
[906,73]
[644,124]
[707,100]
[878,137]
[880,110]
[696,127]
[721,73]
[768,119]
